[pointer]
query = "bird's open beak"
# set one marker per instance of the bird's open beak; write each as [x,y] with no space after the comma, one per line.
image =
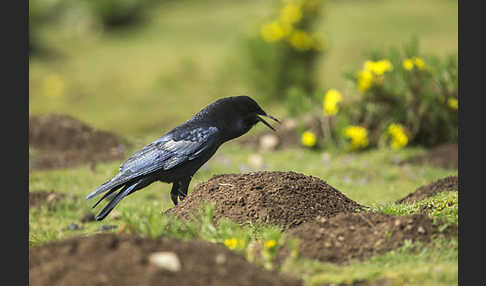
[266,123]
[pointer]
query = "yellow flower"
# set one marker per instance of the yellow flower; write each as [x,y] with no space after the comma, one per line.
[453,103]
[231,243]
[301,41]
[365,80]
[273,32]
[308,139]
[366,76]
[419,63]
[407,64]
[290,14]
[331,100]
[399,138]
[380,67]
[53,86]
[270,243]
[358,136]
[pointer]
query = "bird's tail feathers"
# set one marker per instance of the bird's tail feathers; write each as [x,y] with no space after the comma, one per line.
[114,183]
[127,189]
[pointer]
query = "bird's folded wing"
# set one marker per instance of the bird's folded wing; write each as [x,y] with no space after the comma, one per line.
[170,151]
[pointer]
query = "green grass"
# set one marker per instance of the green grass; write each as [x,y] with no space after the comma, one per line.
[443,207]
[432,264]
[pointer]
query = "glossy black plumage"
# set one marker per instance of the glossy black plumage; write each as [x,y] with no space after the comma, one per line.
[176,156]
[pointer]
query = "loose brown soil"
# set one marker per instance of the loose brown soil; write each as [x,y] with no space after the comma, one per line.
[287,199]
[362,235]
[38,198]
[443,156]
[109,259]
[61,141]
[442,185]
[378,282]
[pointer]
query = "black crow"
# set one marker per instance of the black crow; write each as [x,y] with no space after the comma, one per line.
[176,156]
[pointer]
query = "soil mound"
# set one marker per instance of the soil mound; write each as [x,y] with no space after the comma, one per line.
[281,198]
[362,235]
[444,156]
[108,259]
[38,198]
[449,183]
[61,141]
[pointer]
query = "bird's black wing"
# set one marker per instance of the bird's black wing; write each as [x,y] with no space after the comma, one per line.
[165,153]
[170,151]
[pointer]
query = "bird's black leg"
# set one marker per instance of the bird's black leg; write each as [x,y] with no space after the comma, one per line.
[179,189]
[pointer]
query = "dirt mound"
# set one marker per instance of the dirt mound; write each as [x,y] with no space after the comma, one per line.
[38,198]
[108,259]
[61,141]
[282,198]
[444,156]
[450,183]
[362,235]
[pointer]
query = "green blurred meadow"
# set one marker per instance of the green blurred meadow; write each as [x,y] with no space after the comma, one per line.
[143,80]
[146,79]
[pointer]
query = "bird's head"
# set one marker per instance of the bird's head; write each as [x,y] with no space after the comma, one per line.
[238,114]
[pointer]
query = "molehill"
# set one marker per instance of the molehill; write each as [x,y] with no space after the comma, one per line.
[109,259]
[61,141]
[287,199]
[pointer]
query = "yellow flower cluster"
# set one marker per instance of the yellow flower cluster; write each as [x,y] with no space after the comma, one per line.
[453,103]
[232,243]
[408,64]
[331,100]
[53,86]
[399,138]
[283,27]
[270,243]
[358,136]
[370,70]
[308,139]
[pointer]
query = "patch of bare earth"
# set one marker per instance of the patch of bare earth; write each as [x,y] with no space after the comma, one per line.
[39,198]
[287,199]
[61,141]
[449,183]
[109,259]
[362,235]
[444,156]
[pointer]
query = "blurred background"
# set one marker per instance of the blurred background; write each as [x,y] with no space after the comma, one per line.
[367,73]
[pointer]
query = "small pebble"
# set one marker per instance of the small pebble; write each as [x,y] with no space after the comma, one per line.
[106,227]
[220,258]
[269,142]
[166,260]
[255,160]
[73,226]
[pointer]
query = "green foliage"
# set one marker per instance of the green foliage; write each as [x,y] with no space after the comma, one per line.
[41,12]
[443,207]
[418,91]
[118,13]
[284,54]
